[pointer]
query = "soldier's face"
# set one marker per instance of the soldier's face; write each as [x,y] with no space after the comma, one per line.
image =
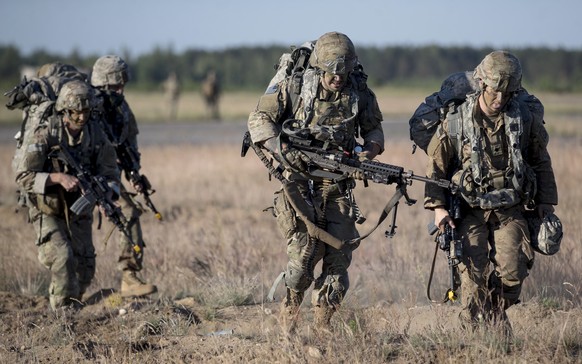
[116,88]
[494,101]
[75,120]
[334,82]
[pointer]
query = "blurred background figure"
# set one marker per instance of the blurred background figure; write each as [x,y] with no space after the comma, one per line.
[172,89]
[211,94]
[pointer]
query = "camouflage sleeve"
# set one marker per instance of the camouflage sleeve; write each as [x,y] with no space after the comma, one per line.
[539,160]
[133,130]
[31,173]
[440,153]
[132,133]
[107,166]
[264,121]
[370,121]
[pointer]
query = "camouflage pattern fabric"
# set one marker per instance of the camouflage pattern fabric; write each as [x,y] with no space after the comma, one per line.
[509,250]
[493,226]
[349,113]
[71,260]
[132,210]
[66,249]
[120,125]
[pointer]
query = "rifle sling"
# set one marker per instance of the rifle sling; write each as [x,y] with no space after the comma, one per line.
[299,205]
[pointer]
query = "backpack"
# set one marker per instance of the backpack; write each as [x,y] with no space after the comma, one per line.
[36,98]
[292,63]
[295,64]
[454,90]
[425,120]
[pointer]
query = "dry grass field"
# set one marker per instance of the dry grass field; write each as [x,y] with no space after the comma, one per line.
[216,254]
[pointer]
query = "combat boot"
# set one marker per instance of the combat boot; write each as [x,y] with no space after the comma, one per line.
[322,317]
[290,308]
[133,286]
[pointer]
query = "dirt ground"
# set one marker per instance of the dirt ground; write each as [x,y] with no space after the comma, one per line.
[109,329]
[155,331]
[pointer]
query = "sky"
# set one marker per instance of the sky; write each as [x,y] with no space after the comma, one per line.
[139,26]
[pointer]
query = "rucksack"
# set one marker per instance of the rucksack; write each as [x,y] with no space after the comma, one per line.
[454,90]
[427,117]
[36,98]
[290,63]
[295,64]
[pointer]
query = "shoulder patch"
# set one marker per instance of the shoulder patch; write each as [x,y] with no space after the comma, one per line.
[272,89]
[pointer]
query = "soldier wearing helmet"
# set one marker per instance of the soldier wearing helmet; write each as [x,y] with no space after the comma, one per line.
[64,239]
[109,76]
[329,97]
[494,146]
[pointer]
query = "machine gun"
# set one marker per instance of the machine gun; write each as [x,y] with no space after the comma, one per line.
[95,191]
[325,163]
[128,161]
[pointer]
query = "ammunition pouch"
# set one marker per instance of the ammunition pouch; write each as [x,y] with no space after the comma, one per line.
[498,194]
[48,204]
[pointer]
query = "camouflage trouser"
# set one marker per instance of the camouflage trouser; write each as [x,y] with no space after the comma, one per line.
[132,210]
[70,257]
[304,253]
[500,237]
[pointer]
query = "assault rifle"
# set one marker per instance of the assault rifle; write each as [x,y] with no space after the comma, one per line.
[450,243]
[128,161]
[95,191]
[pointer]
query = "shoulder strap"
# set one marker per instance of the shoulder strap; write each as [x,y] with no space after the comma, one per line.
[455,127]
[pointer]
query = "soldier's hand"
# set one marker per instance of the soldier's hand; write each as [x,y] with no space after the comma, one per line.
[370,152]
[271,145]
[138,187]
[296,159]
[69,182]
[442,218]
[358,175]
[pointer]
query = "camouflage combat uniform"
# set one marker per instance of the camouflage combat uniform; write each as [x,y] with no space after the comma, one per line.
[64,239]
[110,73]
[498,166]
[350,112]
[120,127]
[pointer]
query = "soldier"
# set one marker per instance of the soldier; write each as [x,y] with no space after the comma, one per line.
[172,90]
[493,145]
[211,94]
[65,244]
[109,76]
[334,96]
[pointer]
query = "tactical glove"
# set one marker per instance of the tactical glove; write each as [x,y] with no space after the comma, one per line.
[296,159]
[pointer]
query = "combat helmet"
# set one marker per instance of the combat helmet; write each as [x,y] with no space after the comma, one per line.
[334,53]
[546,234]
[109,71]
[501,71]
[75,95]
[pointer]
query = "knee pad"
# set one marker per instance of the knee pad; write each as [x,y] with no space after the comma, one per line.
[296,278]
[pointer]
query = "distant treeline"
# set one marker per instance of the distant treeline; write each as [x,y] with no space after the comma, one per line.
[251,68]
